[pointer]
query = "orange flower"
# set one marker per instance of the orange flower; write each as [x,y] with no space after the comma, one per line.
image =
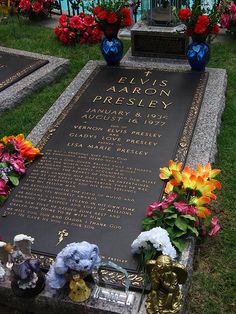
[166,172]
[203,212]
[27,150]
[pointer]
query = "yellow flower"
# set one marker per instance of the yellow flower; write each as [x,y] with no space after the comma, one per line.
[166,172]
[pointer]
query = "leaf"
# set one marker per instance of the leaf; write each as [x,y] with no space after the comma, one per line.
[181,223]
[194,230]
[172,216]
[170,210]
[170,222]
[189,217]
[178,233]
[179,244]
[14,180]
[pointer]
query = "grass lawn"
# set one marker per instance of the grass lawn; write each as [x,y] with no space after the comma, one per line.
[213,288]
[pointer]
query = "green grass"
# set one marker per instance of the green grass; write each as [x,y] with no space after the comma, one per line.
[213,288]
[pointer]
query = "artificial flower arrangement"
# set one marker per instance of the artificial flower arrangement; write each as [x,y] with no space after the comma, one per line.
[15,154]
[78,29]
[34,8]
[199,22]
[183,211]
[112,13]
[227,11]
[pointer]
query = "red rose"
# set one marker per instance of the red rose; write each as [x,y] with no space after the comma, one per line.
[89,20]
[102,15]
[200,28]
[63,20]
[96,10]
[112,18]
[215,29]
[126,12]
[127,21]
[203,19]
[57,31]
[82,40]
[76,22]
[82,15]
[25,5]
[37,7]
[184,14]
[64,38]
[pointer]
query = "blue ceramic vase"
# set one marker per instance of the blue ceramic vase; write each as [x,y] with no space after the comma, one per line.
[111,45]
[198,55]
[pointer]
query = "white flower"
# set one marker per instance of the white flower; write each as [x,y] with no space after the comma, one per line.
[160,240]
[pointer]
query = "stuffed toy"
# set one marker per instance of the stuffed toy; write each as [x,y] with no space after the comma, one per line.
[81,258]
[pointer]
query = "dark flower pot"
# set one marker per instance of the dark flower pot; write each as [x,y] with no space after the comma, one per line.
[198,53]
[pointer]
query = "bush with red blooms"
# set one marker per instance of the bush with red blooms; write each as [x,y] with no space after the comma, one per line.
[227,11]
[198,21]
[80,28]
[110,12]
[34,8]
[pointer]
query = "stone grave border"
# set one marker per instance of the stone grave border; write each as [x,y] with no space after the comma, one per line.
[46,74]
[202,149]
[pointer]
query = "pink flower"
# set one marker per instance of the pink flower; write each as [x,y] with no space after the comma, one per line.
[186,209]
[224,20]
[18,165]
[168,200]
[3,188]
[232,7]
[215,227]
[152,207]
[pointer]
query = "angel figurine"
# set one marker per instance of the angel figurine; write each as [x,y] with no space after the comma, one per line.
[165,276]
[27,279]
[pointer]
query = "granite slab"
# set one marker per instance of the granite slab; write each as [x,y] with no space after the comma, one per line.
[55,67]
[202,149]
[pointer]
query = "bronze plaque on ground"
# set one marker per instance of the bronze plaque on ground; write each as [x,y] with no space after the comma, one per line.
[159,44]
[14,67]
[101,161]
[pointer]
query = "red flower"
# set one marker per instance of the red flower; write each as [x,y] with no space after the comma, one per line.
[184,14]
[57,31]
[63,20]
[102,15]
[126,12]
[215,29]
[89,20]
[25,5]
[202,24]
[76,22]
[127,21]
[112,18]
[82,15]
[96,10]
[37,7]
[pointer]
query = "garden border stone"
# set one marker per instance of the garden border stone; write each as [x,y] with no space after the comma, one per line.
[202,149]
[48,73]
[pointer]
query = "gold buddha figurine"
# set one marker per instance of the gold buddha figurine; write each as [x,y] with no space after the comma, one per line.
[165,276]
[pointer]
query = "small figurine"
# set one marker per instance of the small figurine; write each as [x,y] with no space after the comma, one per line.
[73,264]
[165,276]
[27,279]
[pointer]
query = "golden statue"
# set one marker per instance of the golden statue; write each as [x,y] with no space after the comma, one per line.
[79,292]
[165,276]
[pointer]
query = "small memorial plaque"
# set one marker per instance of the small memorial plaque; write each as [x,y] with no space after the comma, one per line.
[101,161]
[14,67]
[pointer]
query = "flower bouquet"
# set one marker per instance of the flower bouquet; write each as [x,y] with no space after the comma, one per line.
[227,11]
[111,15]
[15,154]
[199,22]
[35,9]
[81,28]
[183,210]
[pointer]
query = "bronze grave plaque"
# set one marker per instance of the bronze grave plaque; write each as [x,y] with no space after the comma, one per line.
[14,67]
[101,161]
